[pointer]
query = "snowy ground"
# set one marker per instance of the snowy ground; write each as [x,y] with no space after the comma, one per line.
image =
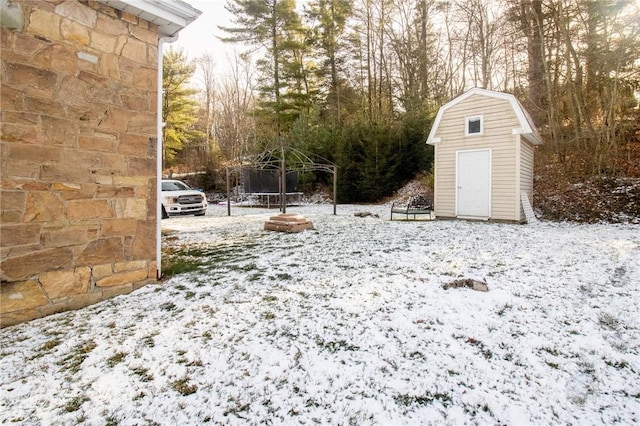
[348,324]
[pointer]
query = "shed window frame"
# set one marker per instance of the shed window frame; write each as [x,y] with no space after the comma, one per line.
[467,122]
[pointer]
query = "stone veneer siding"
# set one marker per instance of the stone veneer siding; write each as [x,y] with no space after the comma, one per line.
[78,157]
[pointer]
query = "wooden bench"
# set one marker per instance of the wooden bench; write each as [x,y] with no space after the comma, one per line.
[416,206]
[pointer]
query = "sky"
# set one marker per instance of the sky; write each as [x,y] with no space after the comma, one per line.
[201,36]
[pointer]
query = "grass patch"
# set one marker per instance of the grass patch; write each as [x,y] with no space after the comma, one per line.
[112,420]
[428,398]
[504,309]
[553,365]
[608,321]
[148,341]
[616,364]
[335,346]
[283,276]
[179,266]
[486,352]
[79,353]
[473,410]
[116,359]
[255,276]
[268,315]
[75,403]
[183,387]
[50,344]
[46,347]
[417,354]
[237,409]
[142,373]
[247,267]
[168,306]
[550,351]
[192,258]
[139,396]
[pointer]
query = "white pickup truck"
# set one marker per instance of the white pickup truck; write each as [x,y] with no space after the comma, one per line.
[179,199]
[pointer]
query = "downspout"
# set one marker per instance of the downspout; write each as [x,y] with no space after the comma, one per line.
[159,155]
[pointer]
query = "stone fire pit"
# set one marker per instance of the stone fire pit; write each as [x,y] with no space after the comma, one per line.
[288,222]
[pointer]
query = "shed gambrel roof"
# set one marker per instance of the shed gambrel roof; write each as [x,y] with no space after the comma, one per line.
[527,128]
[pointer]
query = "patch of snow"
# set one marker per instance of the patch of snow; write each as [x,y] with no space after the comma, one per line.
[348,323]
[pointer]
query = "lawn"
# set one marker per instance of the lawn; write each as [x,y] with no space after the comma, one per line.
[348,324]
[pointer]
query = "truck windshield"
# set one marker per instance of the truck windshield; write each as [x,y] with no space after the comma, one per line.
[174,186]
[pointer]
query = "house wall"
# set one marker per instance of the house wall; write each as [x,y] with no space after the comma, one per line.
[78,156]
[499,120]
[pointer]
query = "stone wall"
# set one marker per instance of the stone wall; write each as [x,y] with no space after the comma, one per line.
[78,156]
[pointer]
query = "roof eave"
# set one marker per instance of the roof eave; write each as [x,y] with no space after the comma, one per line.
[171,16]
[534,138]
[529,134]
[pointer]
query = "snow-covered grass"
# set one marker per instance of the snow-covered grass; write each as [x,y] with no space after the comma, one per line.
[348,324]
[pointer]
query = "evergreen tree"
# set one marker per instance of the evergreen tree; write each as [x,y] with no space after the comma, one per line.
[330,19]
[274,27]
[179,107]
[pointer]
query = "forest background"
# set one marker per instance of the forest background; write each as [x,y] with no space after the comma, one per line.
[358,84]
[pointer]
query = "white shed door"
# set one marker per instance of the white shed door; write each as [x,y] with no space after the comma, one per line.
[473,197]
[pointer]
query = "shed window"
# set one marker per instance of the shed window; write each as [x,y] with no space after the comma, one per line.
[473,125]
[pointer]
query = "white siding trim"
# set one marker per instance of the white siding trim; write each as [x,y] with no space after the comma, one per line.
[171,16]
[455,192]
[435,180]
[517,177]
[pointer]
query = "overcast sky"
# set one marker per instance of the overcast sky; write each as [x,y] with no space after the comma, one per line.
[201,35]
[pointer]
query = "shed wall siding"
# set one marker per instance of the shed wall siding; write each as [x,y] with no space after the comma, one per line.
[498,121]
[526,171]
[78,165]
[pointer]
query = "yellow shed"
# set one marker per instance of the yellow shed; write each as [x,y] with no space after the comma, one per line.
[484,143]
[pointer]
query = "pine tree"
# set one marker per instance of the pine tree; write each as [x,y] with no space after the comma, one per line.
[274,27]
[179,107]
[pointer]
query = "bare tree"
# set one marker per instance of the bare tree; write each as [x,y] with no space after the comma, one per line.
[206,64]
[483,23]
[412,41]
[234,126]
[583,65]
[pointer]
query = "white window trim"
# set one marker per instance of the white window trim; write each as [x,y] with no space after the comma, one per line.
[466,125]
